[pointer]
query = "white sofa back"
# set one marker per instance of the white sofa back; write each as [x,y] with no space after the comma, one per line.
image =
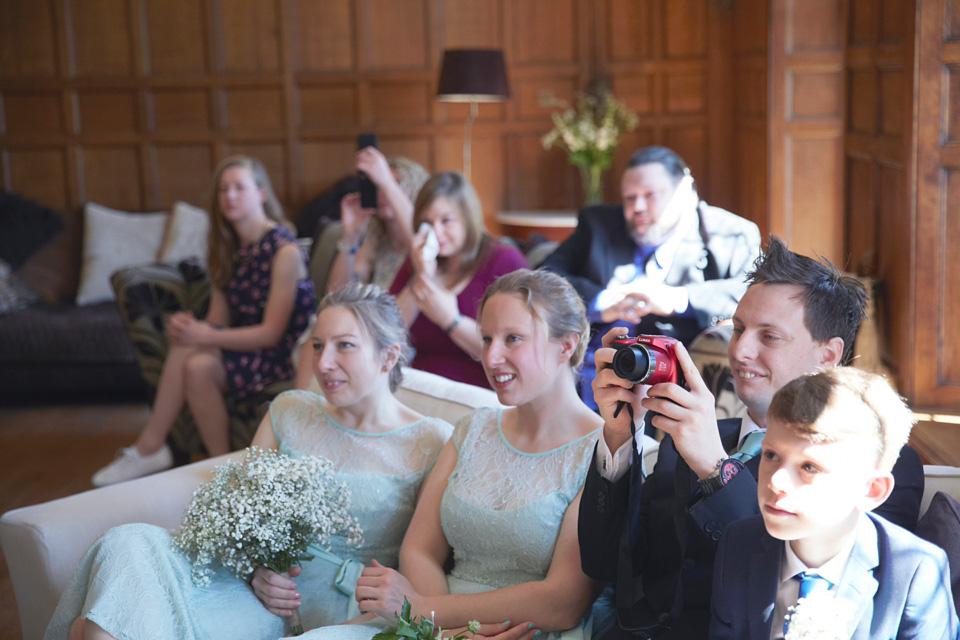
[43,543]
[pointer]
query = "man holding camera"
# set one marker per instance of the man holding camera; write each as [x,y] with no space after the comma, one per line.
[664,262]
[655,536]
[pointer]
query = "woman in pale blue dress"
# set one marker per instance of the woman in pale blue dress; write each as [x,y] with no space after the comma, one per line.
[505,491]
[132,584]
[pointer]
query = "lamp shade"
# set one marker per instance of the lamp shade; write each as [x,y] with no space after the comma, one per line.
[473,75]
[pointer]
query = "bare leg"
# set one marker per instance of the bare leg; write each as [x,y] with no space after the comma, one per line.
[83,629]
[92,631]
[206,382]
[168,402]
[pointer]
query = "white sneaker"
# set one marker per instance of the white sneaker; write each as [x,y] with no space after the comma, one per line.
[129,464]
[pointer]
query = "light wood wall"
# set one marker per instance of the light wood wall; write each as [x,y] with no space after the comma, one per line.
[931,355]
[131,103]
[878,134]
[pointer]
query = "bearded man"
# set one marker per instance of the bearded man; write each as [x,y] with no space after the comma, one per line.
[665,262]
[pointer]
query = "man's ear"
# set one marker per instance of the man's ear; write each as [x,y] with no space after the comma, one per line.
[879,488]
[831,352]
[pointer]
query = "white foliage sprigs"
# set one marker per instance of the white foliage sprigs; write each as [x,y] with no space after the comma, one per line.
[820,616]
[264,511]
[589,131]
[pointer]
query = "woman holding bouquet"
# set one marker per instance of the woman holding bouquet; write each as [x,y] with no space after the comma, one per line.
[133,583]
[504,494]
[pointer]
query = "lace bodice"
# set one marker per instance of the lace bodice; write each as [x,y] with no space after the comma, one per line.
[502,509]
[378,468]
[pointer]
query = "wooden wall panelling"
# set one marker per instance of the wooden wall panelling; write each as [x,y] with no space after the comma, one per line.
[100,38]
[655,54]
[878,135]
[750,88]
[28,48]
[806,126]
[153,90]
[934,378]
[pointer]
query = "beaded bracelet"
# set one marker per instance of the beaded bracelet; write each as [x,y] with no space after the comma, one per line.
[453,325]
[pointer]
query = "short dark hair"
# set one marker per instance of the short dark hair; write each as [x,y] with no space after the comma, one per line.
[833,304]
[669,158]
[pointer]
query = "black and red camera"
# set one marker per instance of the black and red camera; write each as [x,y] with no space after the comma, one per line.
[647,359]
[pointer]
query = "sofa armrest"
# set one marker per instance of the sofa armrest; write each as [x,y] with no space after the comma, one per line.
[147,295]
[939,478]
[43,543]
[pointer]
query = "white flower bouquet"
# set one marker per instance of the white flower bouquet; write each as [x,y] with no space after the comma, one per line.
[264,510]
[588,133]
[820,616]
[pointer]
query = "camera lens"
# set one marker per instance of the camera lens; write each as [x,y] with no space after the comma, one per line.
[634,363]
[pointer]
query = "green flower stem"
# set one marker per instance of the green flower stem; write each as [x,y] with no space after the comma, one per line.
[295,624]
[592,177]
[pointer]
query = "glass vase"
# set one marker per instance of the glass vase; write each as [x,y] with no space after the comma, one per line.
[592,178]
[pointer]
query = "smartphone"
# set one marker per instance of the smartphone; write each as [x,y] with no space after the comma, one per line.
[368,190]
[431,248]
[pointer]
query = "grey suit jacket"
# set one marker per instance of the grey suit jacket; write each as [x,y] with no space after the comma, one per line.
[900,584]
[710,263]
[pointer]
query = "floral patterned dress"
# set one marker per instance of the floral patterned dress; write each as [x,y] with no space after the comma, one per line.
[248,372]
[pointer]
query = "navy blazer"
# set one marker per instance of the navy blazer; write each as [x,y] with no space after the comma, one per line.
[900,583]
[655,538]
[711,263]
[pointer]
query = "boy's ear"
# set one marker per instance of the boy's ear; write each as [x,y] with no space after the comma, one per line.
[879,488]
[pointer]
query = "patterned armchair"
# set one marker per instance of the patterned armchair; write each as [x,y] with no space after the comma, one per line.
[147,295]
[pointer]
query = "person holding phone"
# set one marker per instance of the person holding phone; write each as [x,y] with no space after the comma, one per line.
[376,238]
[439,294]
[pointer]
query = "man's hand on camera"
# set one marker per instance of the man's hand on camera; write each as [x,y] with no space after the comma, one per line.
[609,390]
[688,416]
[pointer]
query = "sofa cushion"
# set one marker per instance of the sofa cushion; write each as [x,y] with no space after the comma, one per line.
[186,235]
[15,294]
[941,526]
[27,226]
[48,350]
[112,240]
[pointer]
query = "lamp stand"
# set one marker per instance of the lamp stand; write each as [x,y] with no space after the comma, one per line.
[466,139]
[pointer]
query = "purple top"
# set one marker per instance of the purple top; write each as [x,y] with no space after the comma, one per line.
[436,352]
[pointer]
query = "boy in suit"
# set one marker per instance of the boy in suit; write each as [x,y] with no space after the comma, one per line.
[832,439]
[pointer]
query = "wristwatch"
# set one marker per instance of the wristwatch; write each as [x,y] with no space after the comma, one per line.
[724,473]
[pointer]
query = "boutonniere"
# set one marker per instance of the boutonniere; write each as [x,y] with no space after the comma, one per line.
[820,616]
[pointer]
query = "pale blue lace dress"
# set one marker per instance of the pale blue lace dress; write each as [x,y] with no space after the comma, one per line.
[134,585]
[501,512]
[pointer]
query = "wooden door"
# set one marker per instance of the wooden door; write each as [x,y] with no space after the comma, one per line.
[934,378]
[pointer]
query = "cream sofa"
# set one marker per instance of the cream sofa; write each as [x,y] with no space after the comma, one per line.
[43,543]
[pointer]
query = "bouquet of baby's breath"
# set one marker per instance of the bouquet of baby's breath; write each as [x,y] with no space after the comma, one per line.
[409,629]
[264,510]
[588,132]
[820,616]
